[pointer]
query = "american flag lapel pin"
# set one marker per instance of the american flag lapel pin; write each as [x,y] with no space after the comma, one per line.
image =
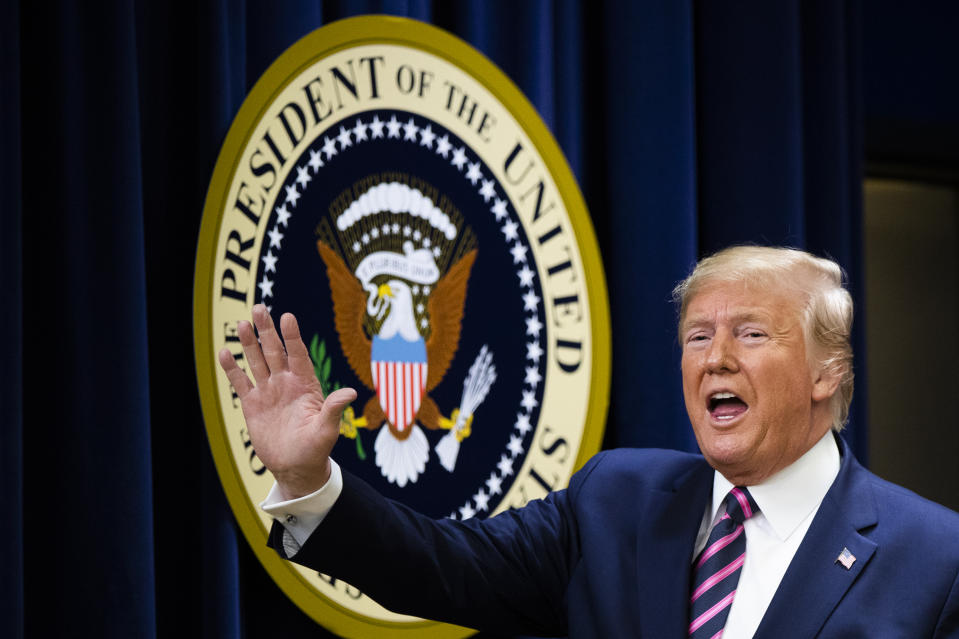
[846,558]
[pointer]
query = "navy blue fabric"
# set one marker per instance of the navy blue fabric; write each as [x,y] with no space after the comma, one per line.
[576,562]
[688,125]
[645,211]
[88,496]
[11,327]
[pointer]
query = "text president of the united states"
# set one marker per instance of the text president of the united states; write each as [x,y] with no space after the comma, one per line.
[774,531]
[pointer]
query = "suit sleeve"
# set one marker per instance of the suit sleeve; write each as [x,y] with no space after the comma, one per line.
[507,574]
[948,625]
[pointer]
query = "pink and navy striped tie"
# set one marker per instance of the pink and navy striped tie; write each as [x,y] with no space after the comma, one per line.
[716,570]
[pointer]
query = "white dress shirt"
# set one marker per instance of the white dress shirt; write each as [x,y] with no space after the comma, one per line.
[300,517]
[788,502]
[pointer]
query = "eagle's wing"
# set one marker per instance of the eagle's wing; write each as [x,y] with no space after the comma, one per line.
[349,305]
[446,317]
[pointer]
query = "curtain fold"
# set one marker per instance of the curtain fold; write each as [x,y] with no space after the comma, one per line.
[11,327]
[88,502]
[750,141]
[689,126]
[647,212]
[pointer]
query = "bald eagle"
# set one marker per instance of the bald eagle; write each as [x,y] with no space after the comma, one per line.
[402,361]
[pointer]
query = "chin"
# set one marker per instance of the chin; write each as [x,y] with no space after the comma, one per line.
[725,451]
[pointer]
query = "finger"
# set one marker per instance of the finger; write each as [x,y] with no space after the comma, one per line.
[241,383]
[299,357]
[252,352]
[270,342]
[338,400]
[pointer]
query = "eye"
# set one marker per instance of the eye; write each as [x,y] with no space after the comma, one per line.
[697,338]
[753,334]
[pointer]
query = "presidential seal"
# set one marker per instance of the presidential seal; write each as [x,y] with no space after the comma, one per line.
[389,186]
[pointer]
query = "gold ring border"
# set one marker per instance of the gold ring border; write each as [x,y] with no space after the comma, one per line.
[322,42]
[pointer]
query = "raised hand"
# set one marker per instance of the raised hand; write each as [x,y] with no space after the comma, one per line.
[292,427]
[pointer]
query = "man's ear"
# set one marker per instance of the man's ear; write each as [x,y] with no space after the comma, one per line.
[825,382]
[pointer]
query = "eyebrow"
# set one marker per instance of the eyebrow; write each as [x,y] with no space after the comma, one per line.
[739,318]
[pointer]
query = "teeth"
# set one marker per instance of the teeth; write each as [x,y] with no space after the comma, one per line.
[722,396]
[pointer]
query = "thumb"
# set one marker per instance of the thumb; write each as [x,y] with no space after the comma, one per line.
[338,399]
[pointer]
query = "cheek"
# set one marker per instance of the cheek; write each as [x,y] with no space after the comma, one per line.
[792,394]
[690,383]
[690,367]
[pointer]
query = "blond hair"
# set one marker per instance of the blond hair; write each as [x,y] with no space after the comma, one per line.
[826,314]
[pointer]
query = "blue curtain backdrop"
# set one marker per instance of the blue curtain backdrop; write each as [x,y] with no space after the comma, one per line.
[689,125]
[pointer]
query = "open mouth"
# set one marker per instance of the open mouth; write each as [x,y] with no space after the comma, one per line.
[725,406]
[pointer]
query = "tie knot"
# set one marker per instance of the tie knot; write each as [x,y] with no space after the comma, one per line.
[740,505]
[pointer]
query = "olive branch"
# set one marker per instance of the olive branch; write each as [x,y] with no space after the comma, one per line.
[322,364]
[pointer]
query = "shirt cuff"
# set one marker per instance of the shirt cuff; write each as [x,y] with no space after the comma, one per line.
[301,516]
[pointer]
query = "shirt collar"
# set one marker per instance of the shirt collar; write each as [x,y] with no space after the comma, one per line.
[786,498]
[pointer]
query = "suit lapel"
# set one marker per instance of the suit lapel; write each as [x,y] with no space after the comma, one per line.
[665,538]
[815,581]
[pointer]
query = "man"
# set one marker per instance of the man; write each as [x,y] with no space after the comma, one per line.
[775,531]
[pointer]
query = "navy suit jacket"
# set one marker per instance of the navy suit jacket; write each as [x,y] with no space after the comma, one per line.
[610,557]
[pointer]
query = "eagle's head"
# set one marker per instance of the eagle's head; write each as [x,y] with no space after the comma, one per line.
[396,305]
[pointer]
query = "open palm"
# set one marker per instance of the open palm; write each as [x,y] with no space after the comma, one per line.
[292,426]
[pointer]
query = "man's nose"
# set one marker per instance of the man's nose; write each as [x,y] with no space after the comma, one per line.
[721,356]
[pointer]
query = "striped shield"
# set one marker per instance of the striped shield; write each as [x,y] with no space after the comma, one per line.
[399,375]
